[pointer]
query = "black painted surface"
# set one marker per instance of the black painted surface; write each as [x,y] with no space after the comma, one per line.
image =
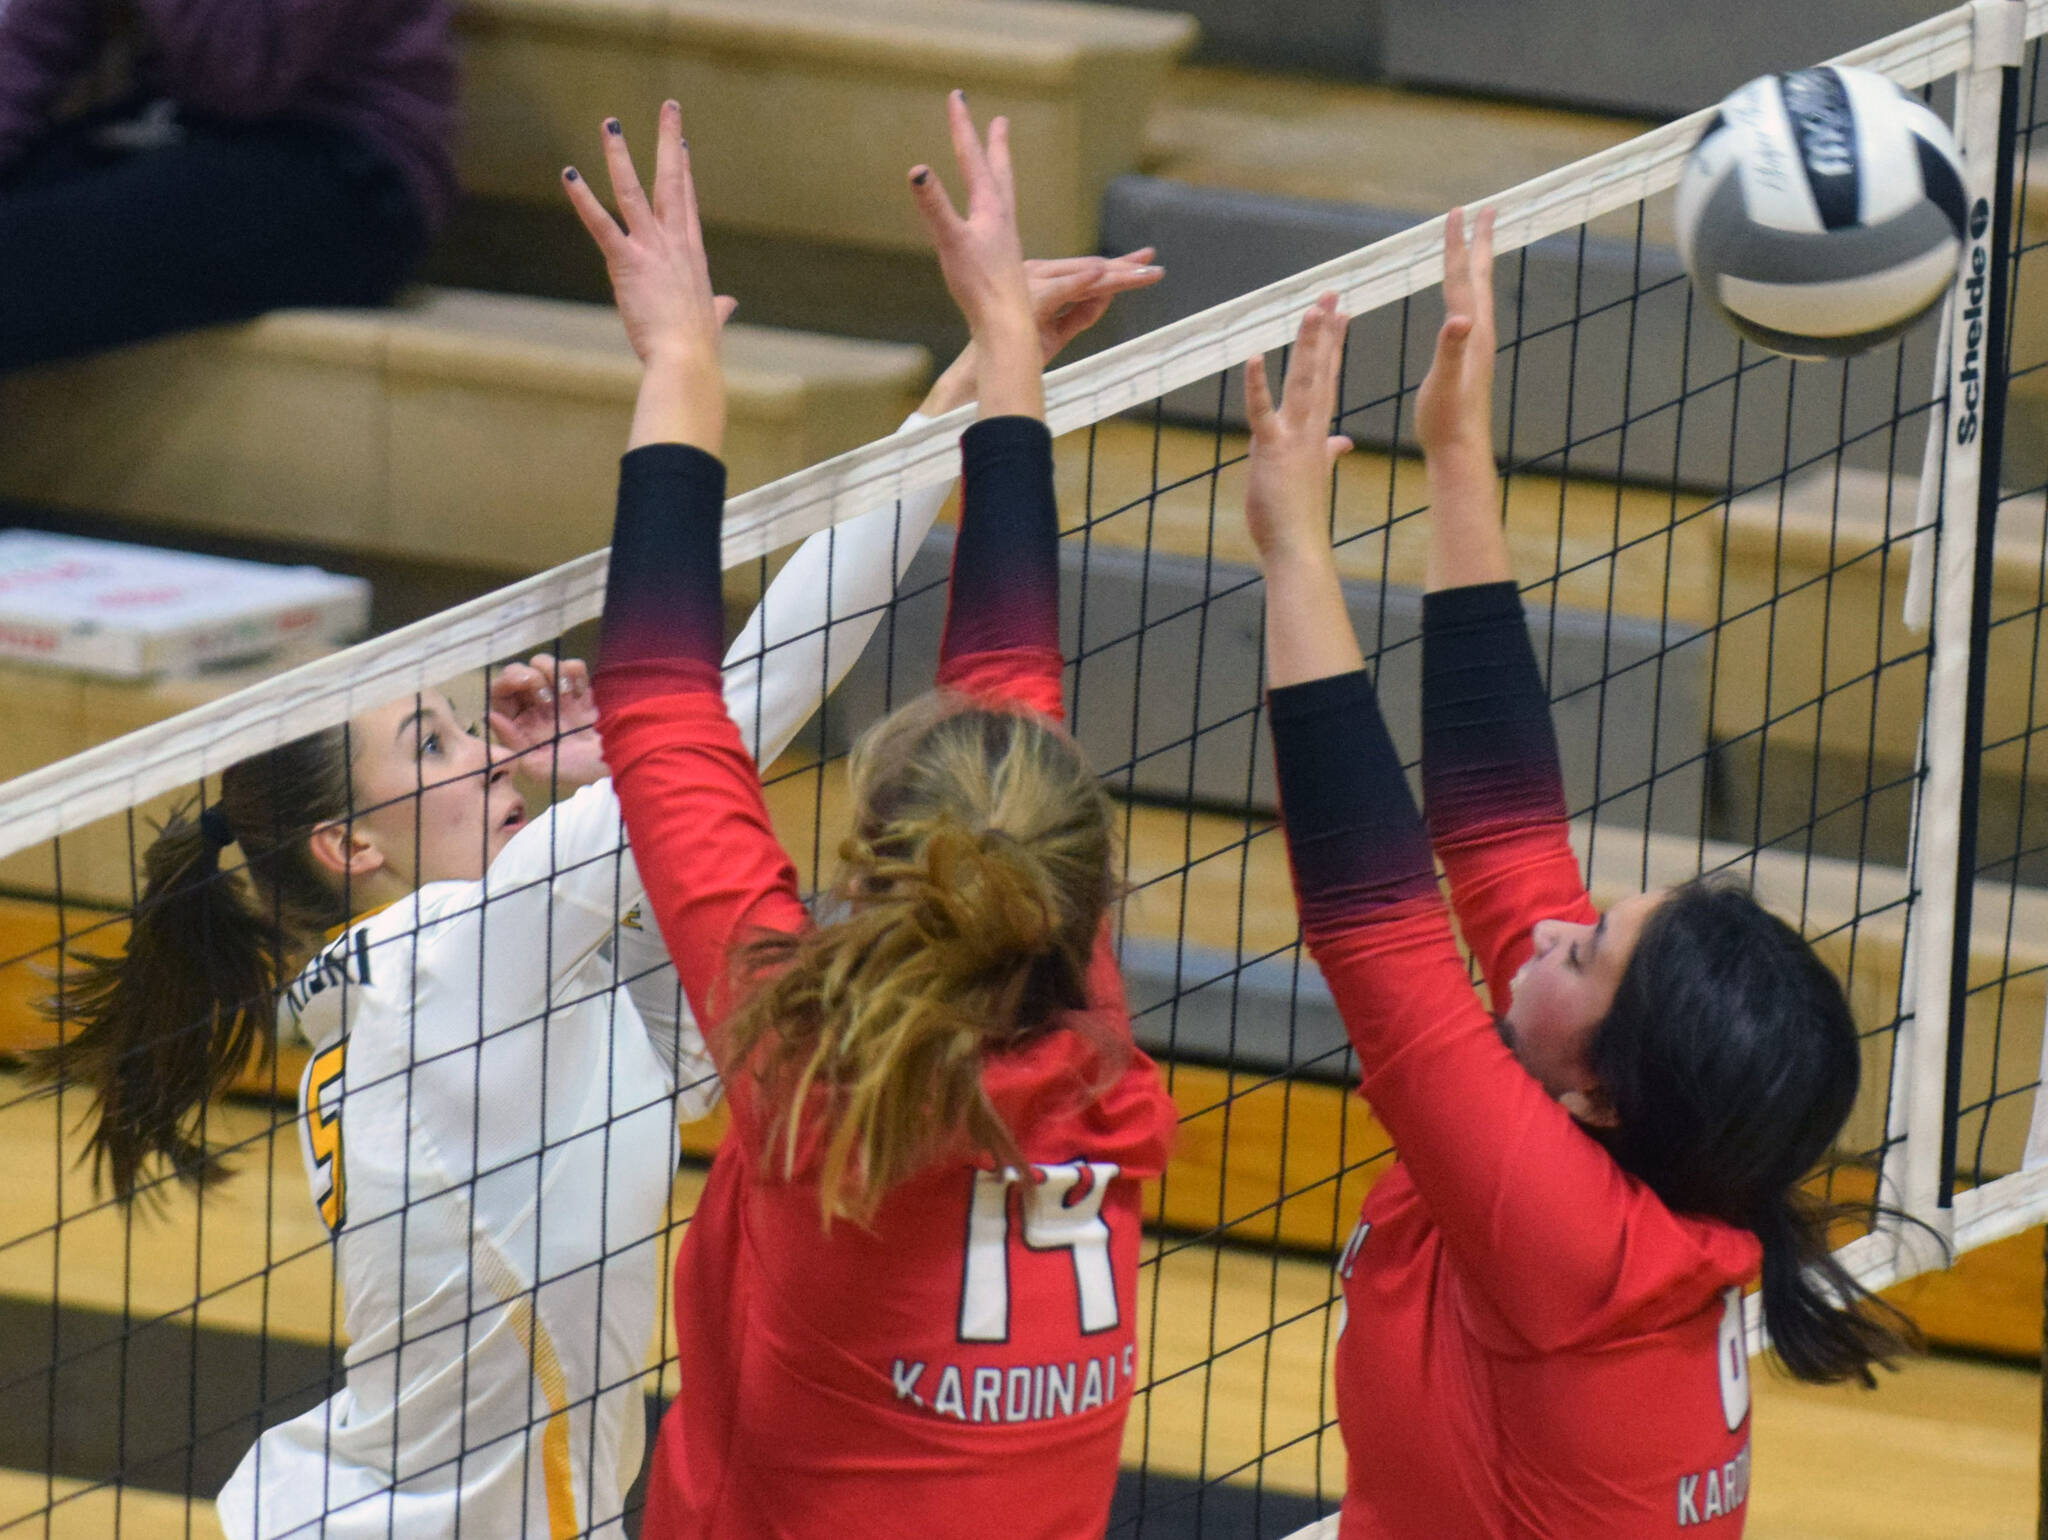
[158,1404]
[165,1407]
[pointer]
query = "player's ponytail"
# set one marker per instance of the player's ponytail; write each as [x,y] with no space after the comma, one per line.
[1732,1060]
[154,1034]
[973,889]
[1824,1324]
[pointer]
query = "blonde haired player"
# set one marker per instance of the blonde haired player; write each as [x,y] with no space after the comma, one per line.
[906,1303]
[499,1049]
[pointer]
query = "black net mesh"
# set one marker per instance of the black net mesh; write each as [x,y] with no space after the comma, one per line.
[1714,545]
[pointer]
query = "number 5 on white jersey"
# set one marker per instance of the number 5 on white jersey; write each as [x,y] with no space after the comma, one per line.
[320,1133]
[1050,1222]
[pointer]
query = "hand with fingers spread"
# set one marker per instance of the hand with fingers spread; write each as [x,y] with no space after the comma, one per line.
[1068,295]
[1287,499]
[545,714]
[983,262]
[1454,418]
[654,252]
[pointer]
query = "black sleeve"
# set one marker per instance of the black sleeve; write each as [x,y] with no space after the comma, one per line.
[1005,591]
[1353,834]
[1489,751]
[663,597]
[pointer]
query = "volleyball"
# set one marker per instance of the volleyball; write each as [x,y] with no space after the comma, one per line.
[1822,212]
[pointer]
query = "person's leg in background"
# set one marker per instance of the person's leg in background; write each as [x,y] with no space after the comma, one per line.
[103,242]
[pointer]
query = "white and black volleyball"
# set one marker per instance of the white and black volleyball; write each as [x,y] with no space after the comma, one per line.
[1822,212]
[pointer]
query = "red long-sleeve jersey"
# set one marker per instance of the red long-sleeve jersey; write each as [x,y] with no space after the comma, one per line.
[1534,1344]
[962,1365]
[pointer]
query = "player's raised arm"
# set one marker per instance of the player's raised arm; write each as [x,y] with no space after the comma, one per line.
[1493,791]
[1355,840]
[1308,630]
[1002,615]
[691,796]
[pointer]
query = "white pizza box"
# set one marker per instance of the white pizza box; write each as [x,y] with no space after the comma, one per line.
[132,612]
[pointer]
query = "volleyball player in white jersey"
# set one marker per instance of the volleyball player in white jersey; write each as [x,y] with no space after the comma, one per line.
[498,1057]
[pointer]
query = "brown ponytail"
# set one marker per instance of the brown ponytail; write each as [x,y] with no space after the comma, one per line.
[156,1033]
[974,887]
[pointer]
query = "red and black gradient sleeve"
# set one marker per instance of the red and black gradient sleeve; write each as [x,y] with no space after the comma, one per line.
[1002,636]
[1492,788]
[1355,840]
[664,606]
[1538,1216]
[700,834]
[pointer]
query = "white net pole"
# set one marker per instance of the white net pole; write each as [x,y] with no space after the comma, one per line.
[1920,1064]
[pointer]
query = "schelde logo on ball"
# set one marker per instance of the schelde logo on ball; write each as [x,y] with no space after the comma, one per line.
[1969,376]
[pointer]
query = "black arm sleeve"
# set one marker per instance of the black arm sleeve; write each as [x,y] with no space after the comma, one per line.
[1006,565]
[663,599]
[1353,833]
[1489,751]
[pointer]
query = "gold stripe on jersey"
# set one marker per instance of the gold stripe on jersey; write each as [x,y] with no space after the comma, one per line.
[557,1471]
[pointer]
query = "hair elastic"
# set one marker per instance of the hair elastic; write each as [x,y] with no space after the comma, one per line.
[213,827]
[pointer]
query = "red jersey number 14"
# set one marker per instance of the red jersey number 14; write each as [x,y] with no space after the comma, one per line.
[1061,1209]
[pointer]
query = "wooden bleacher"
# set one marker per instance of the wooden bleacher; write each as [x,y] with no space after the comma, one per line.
[459,426]
[804,117]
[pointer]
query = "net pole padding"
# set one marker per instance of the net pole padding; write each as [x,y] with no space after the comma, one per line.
[1914,1169]
[154,760]
[2002,28]
[1919,603]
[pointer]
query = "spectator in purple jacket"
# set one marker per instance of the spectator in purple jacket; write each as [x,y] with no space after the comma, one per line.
[166,164]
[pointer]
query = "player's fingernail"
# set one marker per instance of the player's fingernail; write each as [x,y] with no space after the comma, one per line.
[672,105]
[611,126]
[569,174]
[920,176]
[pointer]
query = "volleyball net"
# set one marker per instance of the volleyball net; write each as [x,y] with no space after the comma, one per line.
[1791,617]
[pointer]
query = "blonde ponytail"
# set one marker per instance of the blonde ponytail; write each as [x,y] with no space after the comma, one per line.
[974,888]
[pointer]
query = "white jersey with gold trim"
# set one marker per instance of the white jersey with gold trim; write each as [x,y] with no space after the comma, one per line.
[488,1124]
[490,1132]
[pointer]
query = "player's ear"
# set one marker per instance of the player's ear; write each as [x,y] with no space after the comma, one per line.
[345,850]
[1591,1106]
